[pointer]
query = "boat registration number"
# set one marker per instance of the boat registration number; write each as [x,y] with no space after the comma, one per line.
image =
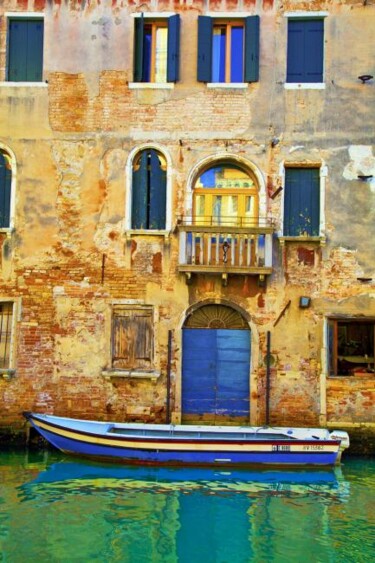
[281,448]
[314,448]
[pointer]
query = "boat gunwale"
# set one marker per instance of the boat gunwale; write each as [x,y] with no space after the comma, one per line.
[180,440]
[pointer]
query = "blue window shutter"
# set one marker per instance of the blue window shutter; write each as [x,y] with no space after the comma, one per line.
[140,194]
[204,48]
[314,45]
[173,61]
[158,195]
[5,187]
[35,51]
[138,49]
[252,48]
[305,51]
[17,51]
[301,201]
[25,51]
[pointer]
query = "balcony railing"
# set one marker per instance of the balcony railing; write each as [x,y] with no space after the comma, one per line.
[235,246]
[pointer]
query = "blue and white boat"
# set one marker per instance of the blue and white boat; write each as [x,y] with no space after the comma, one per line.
[167,444]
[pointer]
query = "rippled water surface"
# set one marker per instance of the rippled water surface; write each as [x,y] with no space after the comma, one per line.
[57,509]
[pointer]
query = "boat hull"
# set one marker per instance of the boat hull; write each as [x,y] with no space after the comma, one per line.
[169,450]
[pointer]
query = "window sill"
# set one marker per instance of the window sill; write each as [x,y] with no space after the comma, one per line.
[151,85]
[303,238]
[304,86]
[131,374]
[7,374]
[145,232]
[23,84]
[238,85]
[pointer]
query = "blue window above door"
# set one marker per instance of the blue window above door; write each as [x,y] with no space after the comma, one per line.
[149,191]
[305,50]
[5,190]
[157,49]
[302,202]
[228,51]
[25,50]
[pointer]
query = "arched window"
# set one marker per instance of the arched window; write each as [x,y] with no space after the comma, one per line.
[5,189]
[149,193]
[226,194]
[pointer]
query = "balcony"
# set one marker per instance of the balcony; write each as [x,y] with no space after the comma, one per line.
[236,246]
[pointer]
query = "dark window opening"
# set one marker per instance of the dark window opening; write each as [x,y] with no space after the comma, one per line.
[351,346]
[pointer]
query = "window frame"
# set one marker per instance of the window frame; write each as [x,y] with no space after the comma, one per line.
[129,192]
[156,20]
[251,27]
[305,16]
[323,173]
[23,16]
[8,372]
[228,25]
[141,372]
[333,356]
[12,160]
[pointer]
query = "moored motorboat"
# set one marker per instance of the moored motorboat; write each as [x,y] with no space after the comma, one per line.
[168,444]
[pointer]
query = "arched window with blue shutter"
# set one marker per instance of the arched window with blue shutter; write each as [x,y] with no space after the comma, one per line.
[149,190]
[5,189]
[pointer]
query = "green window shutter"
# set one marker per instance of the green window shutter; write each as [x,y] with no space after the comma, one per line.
[204,48]
[252,48]
[173,54]
[305,51]
[25,50]
[5,191]
[301,201]
[140,194]
[138,48]
[158,194]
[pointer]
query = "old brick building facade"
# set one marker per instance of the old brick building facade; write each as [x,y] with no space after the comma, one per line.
[187,210]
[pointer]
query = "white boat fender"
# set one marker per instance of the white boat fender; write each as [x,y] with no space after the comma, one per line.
[342,436]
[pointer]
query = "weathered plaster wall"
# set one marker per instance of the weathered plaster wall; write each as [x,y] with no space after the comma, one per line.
[69,258]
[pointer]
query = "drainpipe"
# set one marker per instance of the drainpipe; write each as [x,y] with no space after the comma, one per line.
[169,367]
[268,377]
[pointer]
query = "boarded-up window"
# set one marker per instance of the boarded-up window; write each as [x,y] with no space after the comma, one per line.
[6,318]
[132,338]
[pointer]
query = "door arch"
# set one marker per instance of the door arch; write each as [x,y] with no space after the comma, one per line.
[215,366]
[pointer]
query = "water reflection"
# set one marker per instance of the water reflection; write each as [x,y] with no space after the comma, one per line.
[64,510]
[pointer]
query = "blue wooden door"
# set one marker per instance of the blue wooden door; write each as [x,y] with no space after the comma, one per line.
[215,374]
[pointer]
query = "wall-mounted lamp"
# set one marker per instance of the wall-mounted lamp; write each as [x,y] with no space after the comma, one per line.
[275,141]
[365,78]
[304,302]
[261,280]
[364,177]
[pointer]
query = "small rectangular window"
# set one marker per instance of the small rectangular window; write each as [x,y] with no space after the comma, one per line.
[228,51]
[305,56]
[6,322]
[132,337]
[302,202]
[156,50]
[25,50]
[351,346]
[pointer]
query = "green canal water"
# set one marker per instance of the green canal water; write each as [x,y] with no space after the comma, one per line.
[59,509]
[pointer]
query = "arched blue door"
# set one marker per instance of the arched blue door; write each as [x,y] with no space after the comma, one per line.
[215,375]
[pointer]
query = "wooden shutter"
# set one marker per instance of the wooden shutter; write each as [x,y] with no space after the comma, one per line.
[204,48]
[173,61]
[305,51]
[140,194]
[25,51]
[252,49]
[158,196]
[5,187]
[301,201]
[132,339]
[138,49]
